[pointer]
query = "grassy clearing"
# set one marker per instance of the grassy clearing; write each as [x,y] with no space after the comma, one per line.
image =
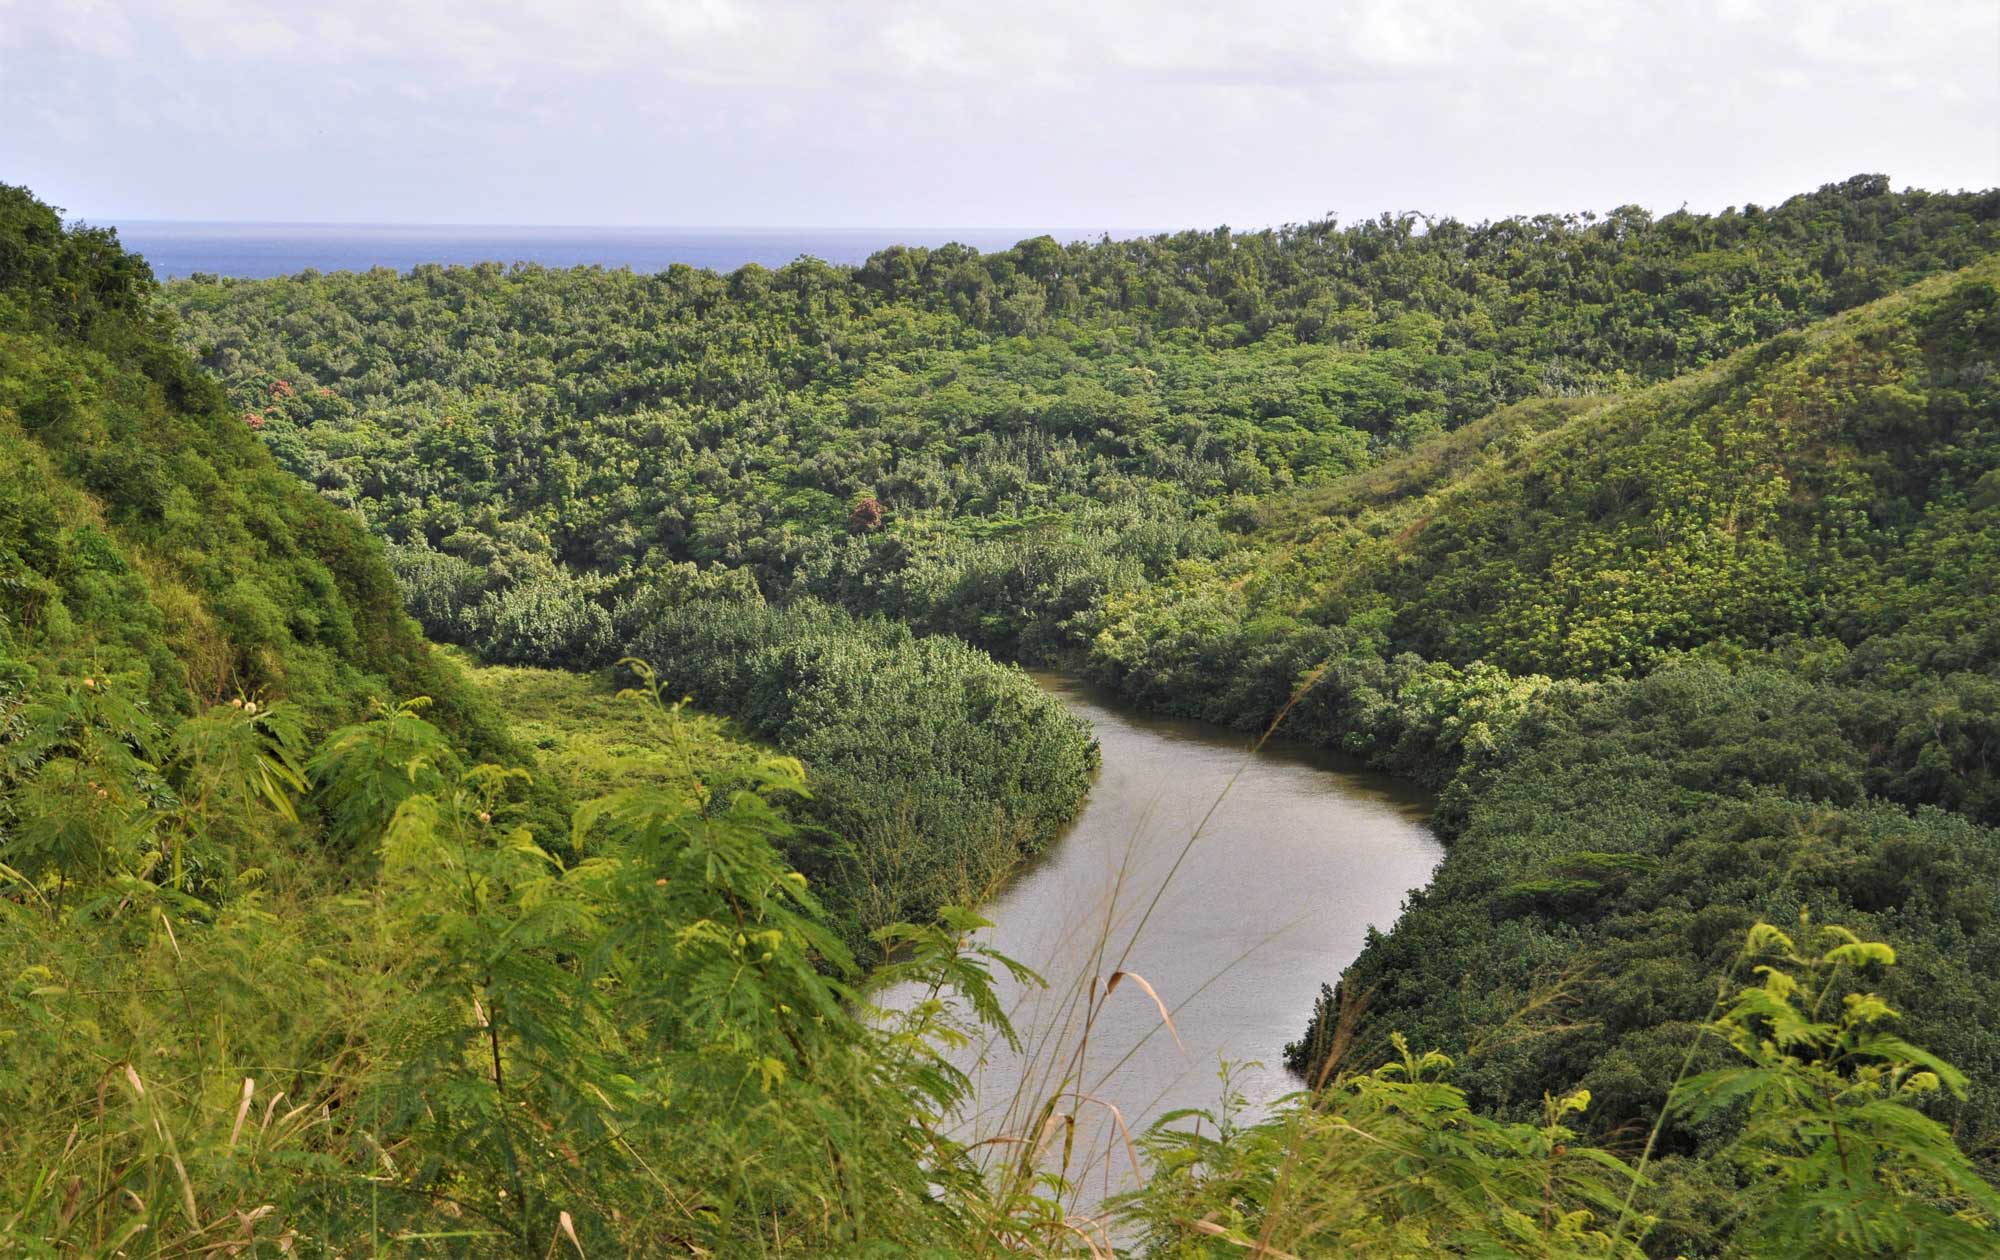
[586,740]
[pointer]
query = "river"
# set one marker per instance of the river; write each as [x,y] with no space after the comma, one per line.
[1300,855]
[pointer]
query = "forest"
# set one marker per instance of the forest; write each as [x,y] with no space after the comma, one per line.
[1665,550]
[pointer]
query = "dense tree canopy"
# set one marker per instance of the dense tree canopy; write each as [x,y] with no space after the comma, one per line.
[1665,549]
[599,425]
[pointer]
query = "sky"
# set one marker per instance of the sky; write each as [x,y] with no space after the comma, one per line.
[1121,115]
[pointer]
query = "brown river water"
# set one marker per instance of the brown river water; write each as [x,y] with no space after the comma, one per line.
[1296,859]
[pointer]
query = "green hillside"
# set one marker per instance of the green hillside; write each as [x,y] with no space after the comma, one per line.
[1827,496]
[1806,488]
[148,541]
[1034,428]
[1665,549]
[1722,650]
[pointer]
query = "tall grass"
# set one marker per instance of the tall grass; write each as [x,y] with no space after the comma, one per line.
[437,1039]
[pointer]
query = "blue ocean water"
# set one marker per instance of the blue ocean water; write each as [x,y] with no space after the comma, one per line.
[258,250]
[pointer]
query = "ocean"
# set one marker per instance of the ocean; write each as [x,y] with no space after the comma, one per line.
[258,250]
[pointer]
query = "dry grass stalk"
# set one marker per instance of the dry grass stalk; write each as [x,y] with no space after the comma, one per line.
[1260,1250]
[242,1110]
[1142,982]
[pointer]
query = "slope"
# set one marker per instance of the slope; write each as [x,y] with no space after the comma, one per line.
[148,542]
[1722,650]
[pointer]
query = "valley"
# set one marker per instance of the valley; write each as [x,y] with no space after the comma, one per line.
[509,760]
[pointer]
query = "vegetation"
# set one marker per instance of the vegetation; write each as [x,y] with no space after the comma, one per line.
[1688,615]
[653,1049]
[587,741]
[148,539]
[933,770]
[1703,655]
[1036,428]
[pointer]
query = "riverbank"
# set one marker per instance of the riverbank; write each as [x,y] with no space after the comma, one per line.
[1231,879]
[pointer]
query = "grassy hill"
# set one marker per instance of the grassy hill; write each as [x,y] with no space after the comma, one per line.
[289,968]
[1721,650]
[1808,487]
[148,541]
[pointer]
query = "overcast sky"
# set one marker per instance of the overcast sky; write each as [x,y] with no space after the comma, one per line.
[1060,114]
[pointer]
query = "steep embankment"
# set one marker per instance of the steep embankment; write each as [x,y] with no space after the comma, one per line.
[148,542]
[1725,649]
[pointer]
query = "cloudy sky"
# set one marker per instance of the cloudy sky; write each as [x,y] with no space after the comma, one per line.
[1060,114]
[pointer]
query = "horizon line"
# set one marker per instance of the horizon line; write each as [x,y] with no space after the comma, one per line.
[146,221]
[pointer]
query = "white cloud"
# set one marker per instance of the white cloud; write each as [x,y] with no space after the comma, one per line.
[1120,112]
[97,27]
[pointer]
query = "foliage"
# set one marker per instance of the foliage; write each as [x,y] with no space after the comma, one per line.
[1389,1163]
[587,741]
[476,1046]
[1841,1161]
[1681,661]
[145,532]
[528,432]
[937,769]
[648,1049]
[1833,1156]
[980,777]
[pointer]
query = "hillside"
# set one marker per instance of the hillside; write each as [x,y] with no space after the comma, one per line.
[1663,548]
[983,445]
[1717,651]
[1827,496]
[148,541]
[1806,488]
